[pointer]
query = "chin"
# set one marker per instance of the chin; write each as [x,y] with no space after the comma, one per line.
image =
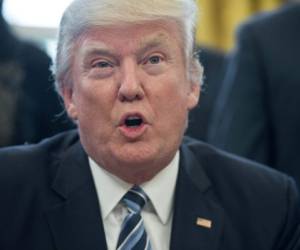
[136,154]
[153,155]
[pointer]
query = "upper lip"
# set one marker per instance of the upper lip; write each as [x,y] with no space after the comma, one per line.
[131,114]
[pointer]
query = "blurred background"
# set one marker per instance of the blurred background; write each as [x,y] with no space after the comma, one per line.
[220,18]
[37,20]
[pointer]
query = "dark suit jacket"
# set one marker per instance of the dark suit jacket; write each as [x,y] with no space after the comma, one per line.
[48,201]
[257,114]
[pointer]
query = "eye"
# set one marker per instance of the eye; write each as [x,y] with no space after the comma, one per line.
[155,63]
[154,59]
[102,64]
[101,68]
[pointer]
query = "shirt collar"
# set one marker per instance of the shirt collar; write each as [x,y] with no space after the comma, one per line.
[161,189]
[110,189]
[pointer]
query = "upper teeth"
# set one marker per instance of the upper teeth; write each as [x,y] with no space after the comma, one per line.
[133,118]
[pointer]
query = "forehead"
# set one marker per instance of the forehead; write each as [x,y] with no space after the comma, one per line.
[129,37]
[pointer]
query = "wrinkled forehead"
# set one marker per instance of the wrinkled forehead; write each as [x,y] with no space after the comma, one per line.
[149,34]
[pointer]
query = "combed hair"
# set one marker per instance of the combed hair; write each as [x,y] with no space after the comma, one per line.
[83,14]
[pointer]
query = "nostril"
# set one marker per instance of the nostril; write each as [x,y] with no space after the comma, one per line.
[130,92]
[128,98]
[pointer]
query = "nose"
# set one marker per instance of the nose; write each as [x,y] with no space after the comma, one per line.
[130,88]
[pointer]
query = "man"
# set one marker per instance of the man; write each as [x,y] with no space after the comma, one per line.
[128,180]
[257,112]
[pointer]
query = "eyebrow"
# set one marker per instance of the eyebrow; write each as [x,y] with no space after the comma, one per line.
[151,44]
[145,45]
[97,51]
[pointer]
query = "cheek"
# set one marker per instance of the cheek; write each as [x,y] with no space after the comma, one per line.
[93,99]
[171,101]
[174,90]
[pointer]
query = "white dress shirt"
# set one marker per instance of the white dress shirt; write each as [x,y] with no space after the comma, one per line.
[157,214]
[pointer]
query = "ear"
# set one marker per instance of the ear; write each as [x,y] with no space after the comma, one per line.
[193,96]
[195,78]
[68,97]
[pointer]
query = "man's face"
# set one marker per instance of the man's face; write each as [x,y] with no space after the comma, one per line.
[131,96]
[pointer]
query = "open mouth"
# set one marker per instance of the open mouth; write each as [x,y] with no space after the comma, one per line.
[133,121]
[133,126]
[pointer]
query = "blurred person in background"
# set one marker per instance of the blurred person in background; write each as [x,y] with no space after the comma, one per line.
[257,112]
[29,106]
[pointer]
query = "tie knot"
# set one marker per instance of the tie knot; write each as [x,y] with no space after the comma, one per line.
[135,199]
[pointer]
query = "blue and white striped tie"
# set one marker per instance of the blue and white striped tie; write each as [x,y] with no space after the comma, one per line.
[133,235]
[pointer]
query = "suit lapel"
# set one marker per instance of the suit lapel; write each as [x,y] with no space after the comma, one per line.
[194,200]
[76,221]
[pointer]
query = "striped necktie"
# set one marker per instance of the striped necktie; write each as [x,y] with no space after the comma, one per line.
[133,235]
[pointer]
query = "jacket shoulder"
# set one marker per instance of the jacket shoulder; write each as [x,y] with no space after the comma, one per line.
[227,170]
[20,163]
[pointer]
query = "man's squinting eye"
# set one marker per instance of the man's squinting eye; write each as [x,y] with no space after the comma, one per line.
[102,64]
[154,59]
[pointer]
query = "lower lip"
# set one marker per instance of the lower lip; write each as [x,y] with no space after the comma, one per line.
[133,133]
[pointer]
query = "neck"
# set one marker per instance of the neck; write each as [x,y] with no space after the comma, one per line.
[137,173]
